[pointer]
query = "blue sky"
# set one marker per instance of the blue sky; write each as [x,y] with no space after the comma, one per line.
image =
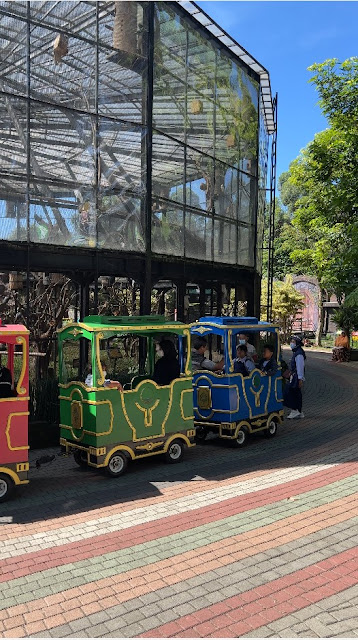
[286,38]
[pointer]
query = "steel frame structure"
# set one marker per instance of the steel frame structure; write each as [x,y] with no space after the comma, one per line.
[27,93]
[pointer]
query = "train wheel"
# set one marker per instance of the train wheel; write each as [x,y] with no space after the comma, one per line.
[241,437]
[271,430]
[79,459]
[175,452]
[117,464]
[200,434]
[7,487]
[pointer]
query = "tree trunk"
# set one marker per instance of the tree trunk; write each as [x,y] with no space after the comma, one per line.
[318,341]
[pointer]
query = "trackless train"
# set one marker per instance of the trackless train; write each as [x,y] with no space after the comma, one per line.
[108,423]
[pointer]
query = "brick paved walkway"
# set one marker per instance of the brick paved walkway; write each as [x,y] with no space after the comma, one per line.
[260,541]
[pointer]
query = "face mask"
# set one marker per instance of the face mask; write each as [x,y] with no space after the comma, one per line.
[242,341]
[160,353]
[293,345]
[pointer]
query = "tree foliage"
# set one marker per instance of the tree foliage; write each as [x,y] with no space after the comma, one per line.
[286,303]
[320,189]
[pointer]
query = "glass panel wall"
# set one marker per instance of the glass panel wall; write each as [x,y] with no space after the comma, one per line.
[73,161]
[205,105]
[75,137]
[262,200]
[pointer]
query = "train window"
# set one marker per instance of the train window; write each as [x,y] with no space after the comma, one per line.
[120,356]
[75,353]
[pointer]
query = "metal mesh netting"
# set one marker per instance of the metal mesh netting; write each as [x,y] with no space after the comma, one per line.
[80,175]
[73,107]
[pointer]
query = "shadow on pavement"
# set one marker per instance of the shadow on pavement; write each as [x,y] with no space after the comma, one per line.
[330,427]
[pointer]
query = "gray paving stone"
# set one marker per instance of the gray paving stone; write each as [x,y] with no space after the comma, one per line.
[80,624]
[133,616]
[97,618]
[96,631]
[166,616]
[184,609]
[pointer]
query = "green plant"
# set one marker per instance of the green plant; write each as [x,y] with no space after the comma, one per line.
[346,318]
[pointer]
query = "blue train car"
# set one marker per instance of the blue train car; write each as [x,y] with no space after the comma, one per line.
[229,403]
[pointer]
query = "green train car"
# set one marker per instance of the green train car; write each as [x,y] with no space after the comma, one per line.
[109,423]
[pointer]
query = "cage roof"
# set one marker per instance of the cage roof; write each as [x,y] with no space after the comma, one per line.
[238,50]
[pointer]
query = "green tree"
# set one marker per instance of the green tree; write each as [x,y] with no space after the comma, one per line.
[346,318]
[320,190]
[286,303]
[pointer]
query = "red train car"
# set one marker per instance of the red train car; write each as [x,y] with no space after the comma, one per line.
[14,405]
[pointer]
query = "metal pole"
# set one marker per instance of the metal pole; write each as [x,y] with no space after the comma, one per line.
[84,307]
[270,265]
[148,148]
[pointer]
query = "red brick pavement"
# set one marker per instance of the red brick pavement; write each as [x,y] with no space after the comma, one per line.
[162,578]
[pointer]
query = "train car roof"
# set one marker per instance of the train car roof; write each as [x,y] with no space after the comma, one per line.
[125,324]
[236,323]
[12,329]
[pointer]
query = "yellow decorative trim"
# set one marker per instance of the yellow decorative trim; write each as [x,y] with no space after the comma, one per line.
[258,423]
[99,451]
[150,446]
[12,475]
[177,436]
[181,404]
[219,386]
[228,427]
[76,415]
[131,426]
[229,348]
[99,337]
[20,389]
[7,431]
[268,392]
[14,333]
[276,393]
[148,413]
[76,332]
[22,466]
[127,329]
[243,423]
[201,329]
[278,346]
[121,447]
[92,402]
[275,414]
[253,327]
[14,399]
[257,395]
[186,334]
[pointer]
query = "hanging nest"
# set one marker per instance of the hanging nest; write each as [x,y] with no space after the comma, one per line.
[196,107]
[15,281]
[230,141]
[60,48]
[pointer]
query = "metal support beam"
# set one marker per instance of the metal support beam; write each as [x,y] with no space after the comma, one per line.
[84,309]
[181,288]
[270,265]
[202,300]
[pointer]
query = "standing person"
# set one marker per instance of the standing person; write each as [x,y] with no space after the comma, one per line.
[293,391]
[251,351]
[341,351]
[167,368]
